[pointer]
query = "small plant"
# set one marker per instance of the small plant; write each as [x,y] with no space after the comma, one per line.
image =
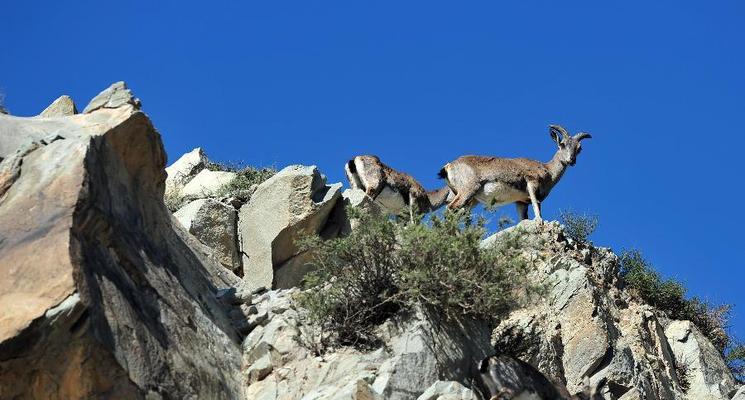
[386,266]
[683,374]
[353,288]
[735,359]
[669,295]
[578,227]
[246,176]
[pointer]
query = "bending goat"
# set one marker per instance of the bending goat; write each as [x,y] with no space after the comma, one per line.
[392,189]
[497,181]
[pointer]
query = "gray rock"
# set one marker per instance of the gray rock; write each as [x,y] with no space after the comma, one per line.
[207,183]
[184,169]
[447,390]
[586,332]
[62,107]
[115,96]
[214,224]
[404,368]
[740,394]
[507,377]
[103,293]
[709,377]
[288,206]
[414,366]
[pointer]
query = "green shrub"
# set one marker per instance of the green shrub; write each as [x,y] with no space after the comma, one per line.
[246,177]
[669,296]
[578,227]
[736,361]
[386,266]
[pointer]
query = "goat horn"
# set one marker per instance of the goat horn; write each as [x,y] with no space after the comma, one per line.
[558,129]
[582,135]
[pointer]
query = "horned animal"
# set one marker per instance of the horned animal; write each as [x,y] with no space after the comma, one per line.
[393,190]
[495,181]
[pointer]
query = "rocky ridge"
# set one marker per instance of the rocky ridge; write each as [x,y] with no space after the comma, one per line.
[108,294]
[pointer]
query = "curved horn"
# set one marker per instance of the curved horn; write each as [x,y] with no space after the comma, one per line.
[559,130]
[582,135]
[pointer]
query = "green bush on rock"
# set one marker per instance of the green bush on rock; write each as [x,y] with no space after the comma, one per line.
[386,266]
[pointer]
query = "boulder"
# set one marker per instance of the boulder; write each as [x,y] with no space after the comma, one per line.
[184,169]
[740,394]
[708,376]
[207,183]
[115,96]
[447,390]
[215,225]
[62,107]
[294,203]
[103,293]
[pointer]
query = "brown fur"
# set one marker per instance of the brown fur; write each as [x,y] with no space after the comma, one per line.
[378,175]
[468,175]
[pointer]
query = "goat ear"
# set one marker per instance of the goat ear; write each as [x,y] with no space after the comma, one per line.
[582,135]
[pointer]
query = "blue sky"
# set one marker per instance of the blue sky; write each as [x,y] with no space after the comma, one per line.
[660,85]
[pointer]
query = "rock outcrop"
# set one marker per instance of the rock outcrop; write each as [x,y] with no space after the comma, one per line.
[593,336]
[103,293]
[294,203]
[207,183]
[706,375]
[214,224]
[184,169]
[62,107]
[279,360]
[106,294]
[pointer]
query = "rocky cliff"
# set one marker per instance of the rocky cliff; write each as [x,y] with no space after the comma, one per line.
[107,294]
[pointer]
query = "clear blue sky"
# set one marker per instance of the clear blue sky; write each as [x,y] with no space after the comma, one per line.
[660,85]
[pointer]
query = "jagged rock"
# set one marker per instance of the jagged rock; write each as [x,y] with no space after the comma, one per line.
[184,169]
[708,375]
[447,390]
[588,332]
[417,353]
[414,366]
[207,183]
[291,204]
[103,292]
[115,96]
[358,199]
[214,224]
[62,107]
[740,394]
[505,377]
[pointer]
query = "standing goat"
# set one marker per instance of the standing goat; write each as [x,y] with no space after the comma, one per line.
[495,181]
[391,189]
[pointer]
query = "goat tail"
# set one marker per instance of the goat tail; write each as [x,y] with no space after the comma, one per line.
[351,167]
[443,174]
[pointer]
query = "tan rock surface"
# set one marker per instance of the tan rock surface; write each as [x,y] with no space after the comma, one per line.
[103,293]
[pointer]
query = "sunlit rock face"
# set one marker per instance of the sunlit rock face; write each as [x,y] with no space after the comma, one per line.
[103,293]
